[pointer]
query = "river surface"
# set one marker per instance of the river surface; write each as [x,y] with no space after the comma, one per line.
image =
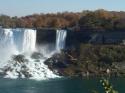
[75,85]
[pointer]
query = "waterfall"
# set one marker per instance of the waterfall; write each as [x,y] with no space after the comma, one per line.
[23,40]
[7,47]
[60,39]
[6,38]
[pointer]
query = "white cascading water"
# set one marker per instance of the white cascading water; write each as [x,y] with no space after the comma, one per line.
[60,39]
[6,37]
[21,41]
[7,47]
[29,40]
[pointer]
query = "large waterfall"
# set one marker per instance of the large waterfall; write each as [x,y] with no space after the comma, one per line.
[22,42]
[60,39]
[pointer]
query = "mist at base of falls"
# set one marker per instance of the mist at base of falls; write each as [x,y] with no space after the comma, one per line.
[15,42]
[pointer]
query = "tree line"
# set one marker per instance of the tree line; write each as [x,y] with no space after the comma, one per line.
[96,20]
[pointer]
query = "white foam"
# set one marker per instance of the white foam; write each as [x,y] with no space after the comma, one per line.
[37,70]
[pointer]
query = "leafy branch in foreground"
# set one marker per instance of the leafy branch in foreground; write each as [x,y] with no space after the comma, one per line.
[107,87]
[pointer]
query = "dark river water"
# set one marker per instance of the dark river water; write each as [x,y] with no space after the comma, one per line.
[75,85]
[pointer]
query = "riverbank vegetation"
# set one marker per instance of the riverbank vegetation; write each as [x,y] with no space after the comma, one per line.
[90,60]
[96,20]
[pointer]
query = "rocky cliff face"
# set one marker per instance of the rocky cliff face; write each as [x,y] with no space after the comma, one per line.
[75,38]
[45,36]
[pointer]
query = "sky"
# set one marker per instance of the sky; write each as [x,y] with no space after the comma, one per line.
[27,7]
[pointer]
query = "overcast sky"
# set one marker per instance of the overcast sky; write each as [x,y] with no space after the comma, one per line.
[27,7]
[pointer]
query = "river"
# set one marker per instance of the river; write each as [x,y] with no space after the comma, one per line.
[62,85]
